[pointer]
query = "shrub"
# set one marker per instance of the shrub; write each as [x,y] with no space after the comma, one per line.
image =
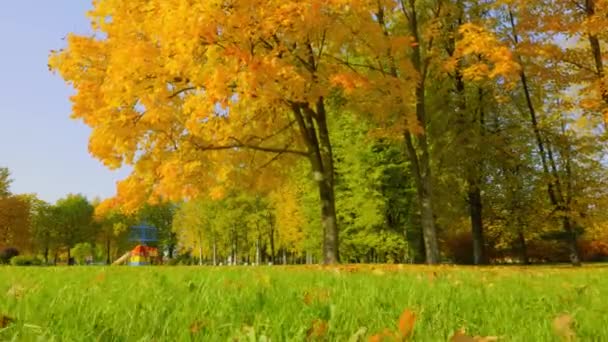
[25,260]
[7,254]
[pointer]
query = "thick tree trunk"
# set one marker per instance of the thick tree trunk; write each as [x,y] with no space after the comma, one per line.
[314,131]
[328,219]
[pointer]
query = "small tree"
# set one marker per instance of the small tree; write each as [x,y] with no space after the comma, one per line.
[81,251]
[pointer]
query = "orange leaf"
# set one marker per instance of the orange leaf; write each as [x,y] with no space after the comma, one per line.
[562,326]
[319,329]
[460,336]
[386,335]
[406,323]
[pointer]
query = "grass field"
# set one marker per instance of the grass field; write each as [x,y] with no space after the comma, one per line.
[299,303]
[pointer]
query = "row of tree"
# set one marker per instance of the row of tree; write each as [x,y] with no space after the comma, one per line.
[420,121]
[55,231]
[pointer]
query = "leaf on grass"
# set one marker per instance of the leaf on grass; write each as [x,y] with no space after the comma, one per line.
[16,291]
[5,321]
[562,326]
[461,336]
[318,329]
[196,326]
[406,323]
[386,335]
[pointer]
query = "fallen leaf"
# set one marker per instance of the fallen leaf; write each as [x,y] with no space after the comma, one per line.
[5,321]
[562,326]
[16,291]
[460,336]
[406,323]
[197,326]
[386,335]
[318,329]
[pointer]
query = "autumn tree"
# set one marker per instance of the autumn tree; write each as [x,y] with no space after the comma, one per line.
[198,91]
[15,222]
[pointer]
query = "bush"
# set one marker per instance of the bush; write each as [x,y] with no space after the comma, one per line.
[24,260]
[7,254]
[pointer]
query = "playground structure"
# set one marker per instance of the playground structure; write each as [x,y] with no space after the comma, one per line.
[141,254]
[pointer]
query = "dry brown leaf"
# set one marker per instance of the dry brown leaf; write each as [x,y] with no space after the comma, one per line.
[460,336]
[16,291]
[562,326]
[5,321]
[406,323]
[197,326]
[318,329]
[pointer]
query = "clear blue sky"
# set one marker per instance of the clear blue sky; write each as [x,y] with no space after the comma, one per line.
[45,150]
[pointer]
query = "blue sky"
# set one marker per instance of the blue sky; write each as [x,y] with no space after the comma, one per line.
[45,150]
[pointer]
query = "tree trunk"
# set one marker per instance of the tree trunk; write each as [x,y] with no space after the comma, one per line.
[420,160]
[214,252]
[314,131]
[523,247]
[46,255]
[554,188]
[475,207]
[284,256]
[272,245]
[108,248]
[257,251]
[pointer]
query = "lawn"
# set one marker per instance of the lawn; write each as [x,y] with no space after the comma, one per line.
[347,303]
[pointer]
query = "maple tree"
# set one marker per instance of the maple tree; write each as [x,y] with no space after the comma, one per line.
[186,91]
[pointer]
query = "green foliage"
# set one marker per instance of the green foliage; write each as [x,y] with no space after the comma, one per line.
[25,260]
[81,251]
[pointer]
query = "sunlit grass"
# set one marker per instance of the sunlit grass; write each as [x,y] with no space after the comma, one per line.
[281,303]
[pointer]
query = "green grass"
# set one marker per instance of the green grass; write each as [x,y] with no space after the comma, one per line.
[221,303]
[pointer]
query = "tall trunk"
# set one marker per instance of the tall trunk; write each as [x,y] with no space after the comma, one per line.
[272,254]
[475,207]
[46,255]
[554,189]
[284,256]
[257,251]
[596,51]
[200,250]
[471,166]
[108,249]
[214,252]
[313,127]
[420,161]
[69,257]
